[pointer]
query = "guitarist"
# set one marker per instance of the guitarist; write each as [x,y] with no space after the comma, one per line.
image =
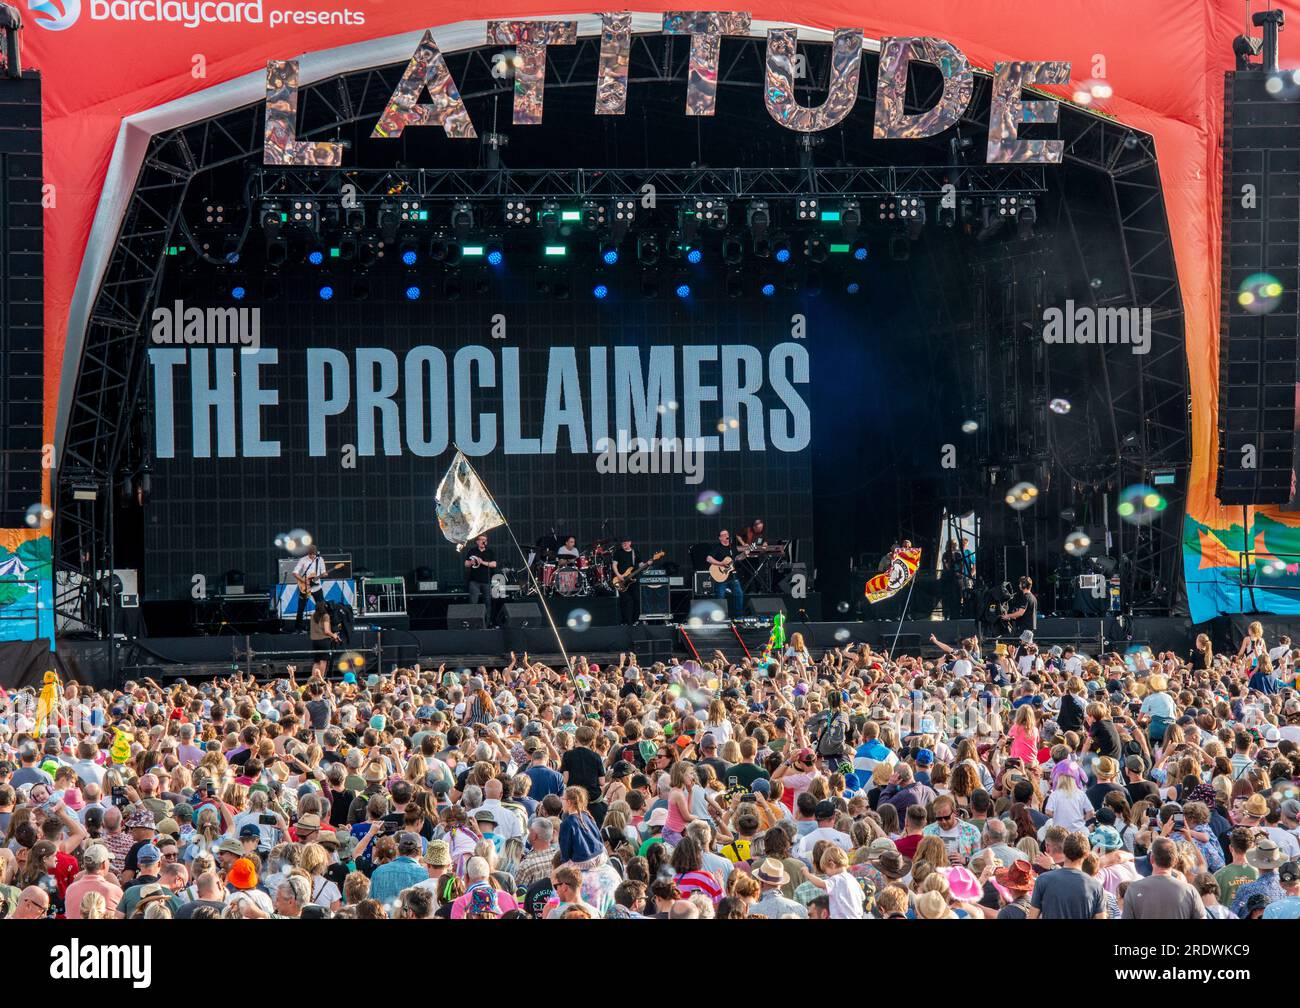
[309,570]
[720,554]
[480,564]
[629,601]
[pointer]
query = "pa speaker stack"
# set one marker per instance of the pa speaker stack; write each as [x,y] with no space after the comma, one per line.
[1258,320]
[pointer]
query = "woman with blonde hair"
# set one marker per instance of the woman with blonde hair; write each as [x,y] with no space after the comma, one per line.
[315,861]
[930,851]
[681,784]
[1158,706]
[717,724]
[1024,735]
[94,906]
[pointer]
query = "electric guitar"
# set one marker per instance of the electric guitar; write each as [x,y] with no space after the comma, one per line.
[721,572]
[623,581]
[307,585]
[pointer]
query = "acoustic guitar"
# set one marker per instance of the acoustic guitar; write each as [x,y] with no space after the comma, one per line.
[721,572]
[623,581]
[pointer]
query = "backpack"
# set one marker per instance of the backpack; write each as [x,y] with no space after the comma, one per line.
[831,740]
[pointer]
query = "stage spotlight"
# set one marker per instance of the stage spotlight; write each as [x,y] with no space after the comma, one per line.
[735,284]
[549,218]
[462,220]
[360,289]
[814,247]
[277,252]
[682,289]
[600,291]
[411,212]
[947,216]
[806,208]
[496,254]
[451,287]
[768,288]
[409,254]
[593,215]
[326,292]
[366,253]
[853,287]
[609,253]
[781,249]
[647,249]
[555,251]
[347,249]
[758,217]
[273,218]
[851,219]
[238,292]
[315,257]
[389,221]
[413,293]
[518,213]
[355,218]
[440,246]
[694,256]
[859,251]
[624,214]
[710,211]
[733,250]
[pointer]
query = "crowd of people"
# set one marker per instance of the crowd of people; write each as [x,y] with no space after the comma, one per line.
[993,781]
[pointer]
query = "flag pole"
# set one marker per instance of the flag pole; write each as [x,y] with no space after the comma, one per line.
[903,615]
[568,665]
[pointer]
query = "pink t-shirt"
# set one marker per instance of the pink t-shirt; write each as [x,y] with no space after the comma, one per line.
[1024,744]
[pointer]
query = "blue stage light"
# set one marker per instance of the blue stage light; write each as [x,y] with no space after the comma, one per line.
[413,293]
[853,288]
[683,290]
[610,257]
[783,255]
[315,257]
[693,256]
[408,257]
[496,257]
[326,293]
[600,292]
[860,253]
[238,293]
[768,289]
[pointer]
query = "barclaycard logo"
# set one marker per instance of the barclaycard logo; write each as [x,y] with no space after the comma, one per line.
[55,15]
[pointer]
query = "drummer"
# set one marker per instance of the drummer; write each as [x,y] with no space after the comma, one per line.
[568,551]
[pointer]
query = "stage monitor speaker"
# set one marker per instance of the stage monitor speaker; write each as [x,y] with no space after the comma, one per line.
[703,584]
[655,600]
[523,614]
[462,616]
[22,368]
[1260,275]
[768,605]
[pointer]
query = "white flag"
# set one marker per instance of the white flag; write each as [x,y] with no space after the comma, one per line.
[465,508]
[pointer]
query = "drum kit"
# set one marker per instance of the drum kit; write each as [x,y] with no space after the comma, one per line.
[555,573]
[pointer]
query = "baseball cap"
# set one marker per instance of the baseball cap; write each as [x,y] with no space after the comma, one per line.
[250,830]
[824,810]
[148,854]
[924,757]
[1289,872]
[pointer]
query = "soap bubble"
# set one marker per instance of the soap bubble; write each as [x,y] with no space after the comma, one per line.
[295,541]
[1140,504]
[350,661]
[842,634]
[38,515]
[579,620]
[706,612]
[1022,495]
[843,607]
[1077,543]
[1061,406]
[969,427]
[709,502]
[1260,293]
